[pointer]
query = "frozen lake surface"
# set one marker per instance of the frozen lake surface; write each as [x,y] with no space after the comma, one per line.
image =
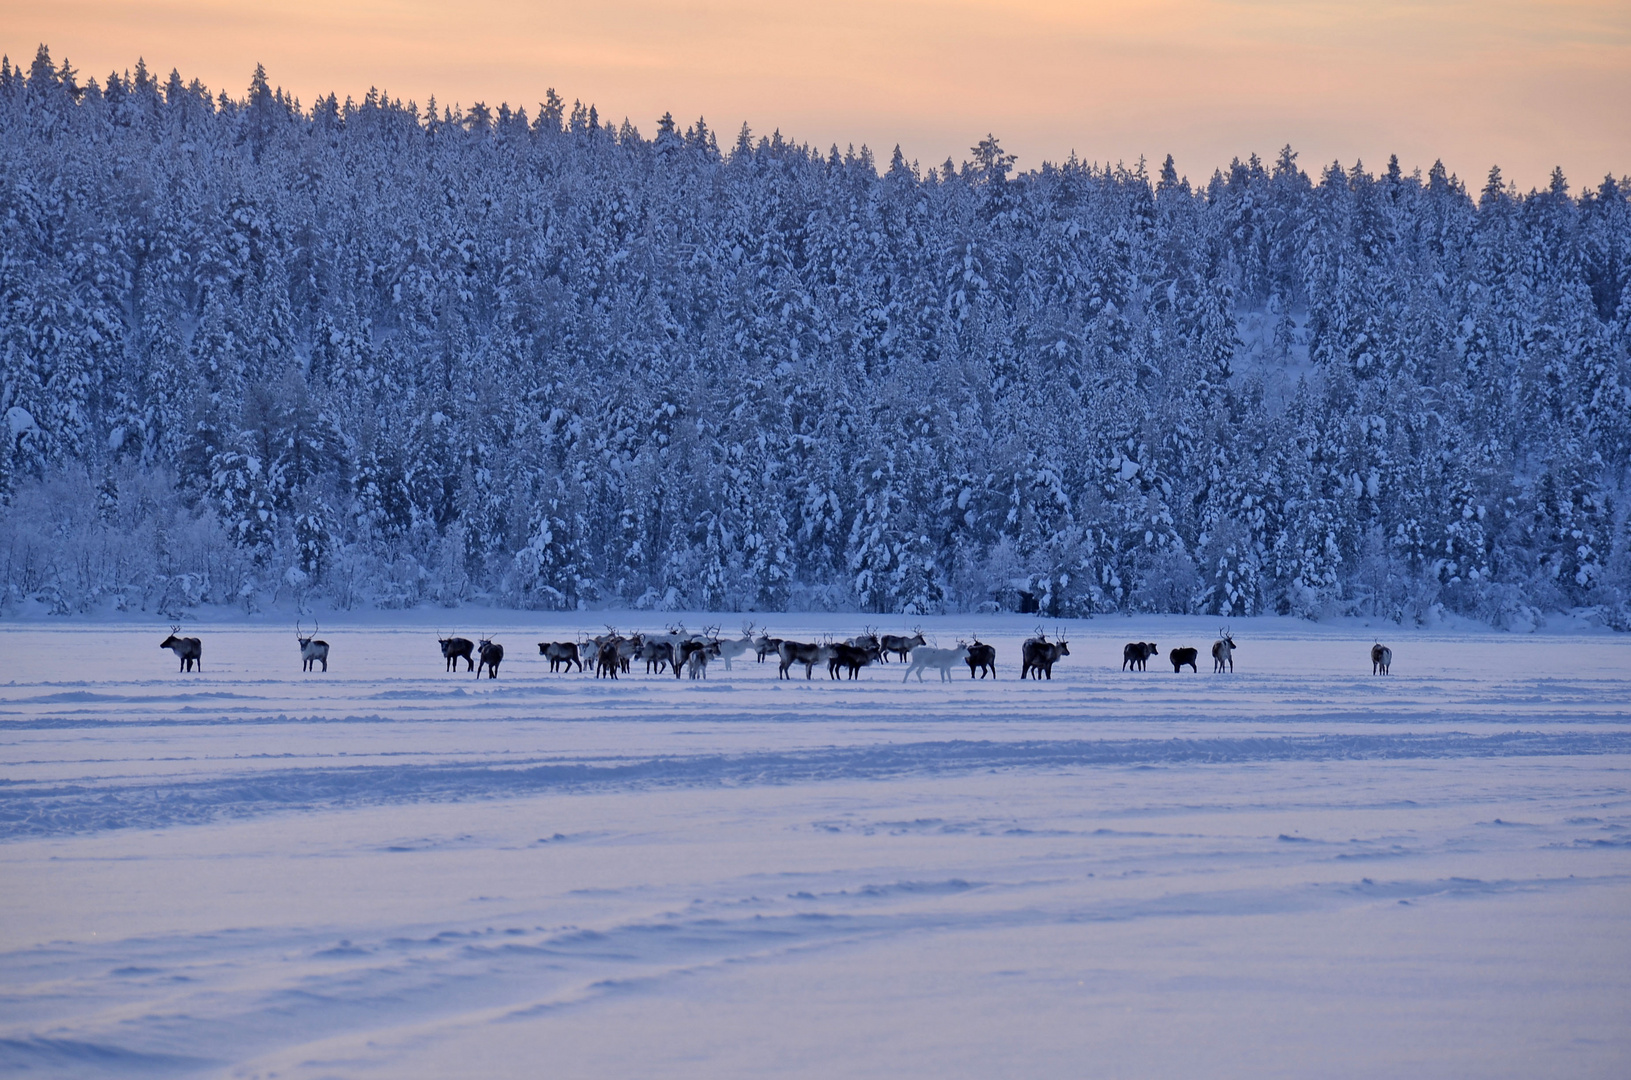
[388,871]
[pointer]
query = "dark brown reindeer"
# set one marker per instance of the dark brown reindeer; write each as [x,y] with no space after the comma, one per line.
[1039,655]
[901,646]
[311,650]
[492,655]
[800,652]
[1136,653]
[455,648]
[1180,657]
[561,654]
[189,650]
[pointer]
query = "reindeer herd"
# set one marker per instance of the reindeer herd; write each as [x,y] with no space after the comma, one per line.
[679,652]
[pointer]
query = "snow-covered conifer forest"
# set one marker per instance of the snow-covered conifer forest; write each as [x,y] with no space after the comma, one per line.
[386,354]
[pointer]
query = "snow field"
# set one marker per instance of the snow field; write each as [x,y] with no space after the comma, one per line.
[388,871]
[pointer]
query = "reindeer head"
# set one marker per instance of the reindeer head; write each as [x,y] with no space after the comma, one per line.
[174,638]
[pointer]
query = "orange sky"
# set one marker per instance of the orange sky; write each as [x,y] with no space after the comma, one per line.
[1526,85]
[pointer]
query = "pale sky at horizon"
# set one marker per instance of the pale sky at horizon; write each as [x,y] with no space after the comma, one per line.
[1523,85]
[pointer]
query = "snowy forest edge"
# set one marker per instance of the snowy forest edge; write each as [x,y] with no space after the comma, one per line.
[369,355]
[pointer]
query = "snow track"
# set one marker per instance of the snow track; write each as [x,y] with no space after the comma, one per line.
[50,809]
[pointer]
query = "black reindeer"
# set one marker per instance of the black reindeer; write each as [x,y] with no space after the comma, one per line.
[606,661]
[189,650]
[852,658]
[1180,657]
[982,658]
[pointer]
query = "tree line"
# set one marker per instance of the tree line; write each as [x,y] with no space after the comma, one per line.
[385,354]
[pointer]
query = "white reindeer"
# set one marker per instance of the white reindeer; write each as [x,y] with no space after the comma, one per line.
[730,650]
[945,659]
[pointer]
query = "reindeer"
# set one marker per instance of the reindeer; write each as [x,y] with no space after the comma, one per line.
[689,648]
[561,654]
[189,650]
[982,658]
[627,649]
[614,646]
[658,653]
[455,647]
[1180,657]
[696,665]
[1038,655]
[867,639]
[1381,658]
[851,656]
[1223,652]
[901,646]
[606,661]
[765,645]
[311,652]
[1135,654]
[730,650]
[491,655]
[945,659]
[798,652]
